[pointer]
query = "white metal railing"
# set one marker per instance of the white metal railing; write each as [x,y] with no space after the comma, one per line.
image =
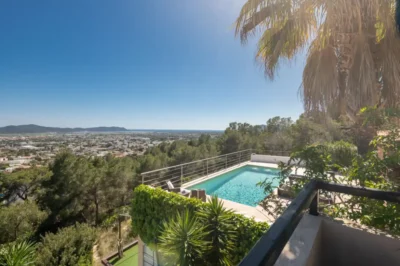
[186,172]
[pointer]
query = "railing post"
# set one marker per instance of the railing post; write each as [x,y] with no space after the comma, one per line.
[314,205]
[142,179]
[181,173]
[240,157]
[226,161]
[207,167]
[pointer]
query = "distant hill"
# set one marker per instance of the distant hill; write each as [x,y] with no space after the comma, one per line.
[40,129]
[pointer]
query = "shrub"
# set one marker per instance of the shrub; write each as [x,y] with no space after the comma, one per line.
[151,207]
[70,246]
[342,153]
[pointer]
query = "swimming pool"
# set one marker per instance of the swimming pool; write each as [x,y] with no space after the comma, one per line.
[239,185]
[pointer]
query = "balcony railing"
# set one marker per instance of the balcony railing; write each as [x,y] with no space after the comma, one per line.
[270,245]
[183,173]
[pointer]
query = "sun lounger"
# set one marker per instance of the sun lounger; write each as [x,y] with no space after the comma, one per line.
[182,191]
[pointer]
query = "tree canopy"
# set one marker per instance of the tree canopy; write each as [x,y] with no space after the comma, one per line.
[23,184]
[20,221]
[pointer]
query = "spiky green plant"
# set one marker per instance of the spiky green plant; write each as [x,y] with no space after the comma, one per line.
[222,234]
[183,240]
[353,47]
[17,254]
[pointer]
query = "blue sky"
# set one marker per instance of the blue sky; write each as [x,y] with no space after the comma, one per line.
[172,64]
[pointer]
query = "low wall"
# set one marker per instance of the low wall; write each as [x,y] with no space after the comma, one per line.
[342,245]
[318,240]
[261,158]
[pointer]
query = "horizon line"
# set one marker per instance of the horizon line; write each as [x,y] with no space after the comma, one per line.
[129,129]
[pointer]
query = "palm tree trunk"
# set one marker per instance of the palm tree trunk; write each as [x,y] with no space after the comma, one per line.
[343,75]
[344,44]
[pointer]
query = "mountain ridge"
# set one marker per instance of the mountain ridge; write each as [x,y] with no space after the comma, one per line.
[32,128]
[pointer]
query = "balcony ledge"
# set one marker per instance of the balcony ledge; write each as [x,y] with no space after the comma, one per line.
[319,240]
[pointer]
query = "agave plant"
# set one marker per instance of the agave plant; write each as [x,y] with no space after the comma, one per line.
[353,47]
[222,234]
[17,254]
[183,240]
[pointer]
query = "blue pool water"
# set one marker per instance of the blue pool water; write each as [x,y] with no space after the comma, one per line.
[240,185]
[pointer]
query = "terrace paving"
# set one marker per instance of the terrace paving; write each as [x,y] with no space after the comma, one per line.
[256,213]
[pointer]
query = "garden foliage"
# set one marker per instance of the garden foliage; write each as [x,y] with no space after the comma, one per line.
[151,207]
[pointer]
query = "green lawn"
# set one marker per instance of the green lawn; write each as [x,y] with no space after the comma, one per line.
[130,257]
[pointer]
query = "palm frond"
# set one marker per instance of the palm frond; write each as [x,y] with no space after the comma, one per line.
[386,13]
[285,38]
[390,49]
[320,76]
[260,13]
[398,15]
[362,76]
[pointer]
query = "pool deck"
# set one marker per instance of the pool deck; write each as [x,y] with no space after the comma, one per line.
[257,213]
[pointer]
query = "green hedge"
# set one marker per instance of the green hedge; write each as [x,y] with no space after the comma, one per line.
[150,207]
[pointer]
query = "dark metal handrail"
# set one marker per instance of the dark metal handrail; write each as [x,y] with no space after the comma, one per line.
[268,248]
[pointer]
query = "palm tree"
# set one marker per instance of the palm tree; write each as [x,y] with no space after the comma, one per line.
[222,235]
[183,239]
[353,57]
[18,254]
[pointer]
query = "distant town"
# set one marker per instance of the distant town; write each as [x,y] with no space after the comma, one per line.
[24,150]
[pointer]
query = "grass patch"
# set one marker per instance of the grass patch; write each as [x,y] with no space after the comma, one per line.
[130,257]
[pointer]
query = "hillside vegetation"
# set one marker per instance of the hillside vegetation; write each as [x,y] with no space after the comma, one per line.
[80,196]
